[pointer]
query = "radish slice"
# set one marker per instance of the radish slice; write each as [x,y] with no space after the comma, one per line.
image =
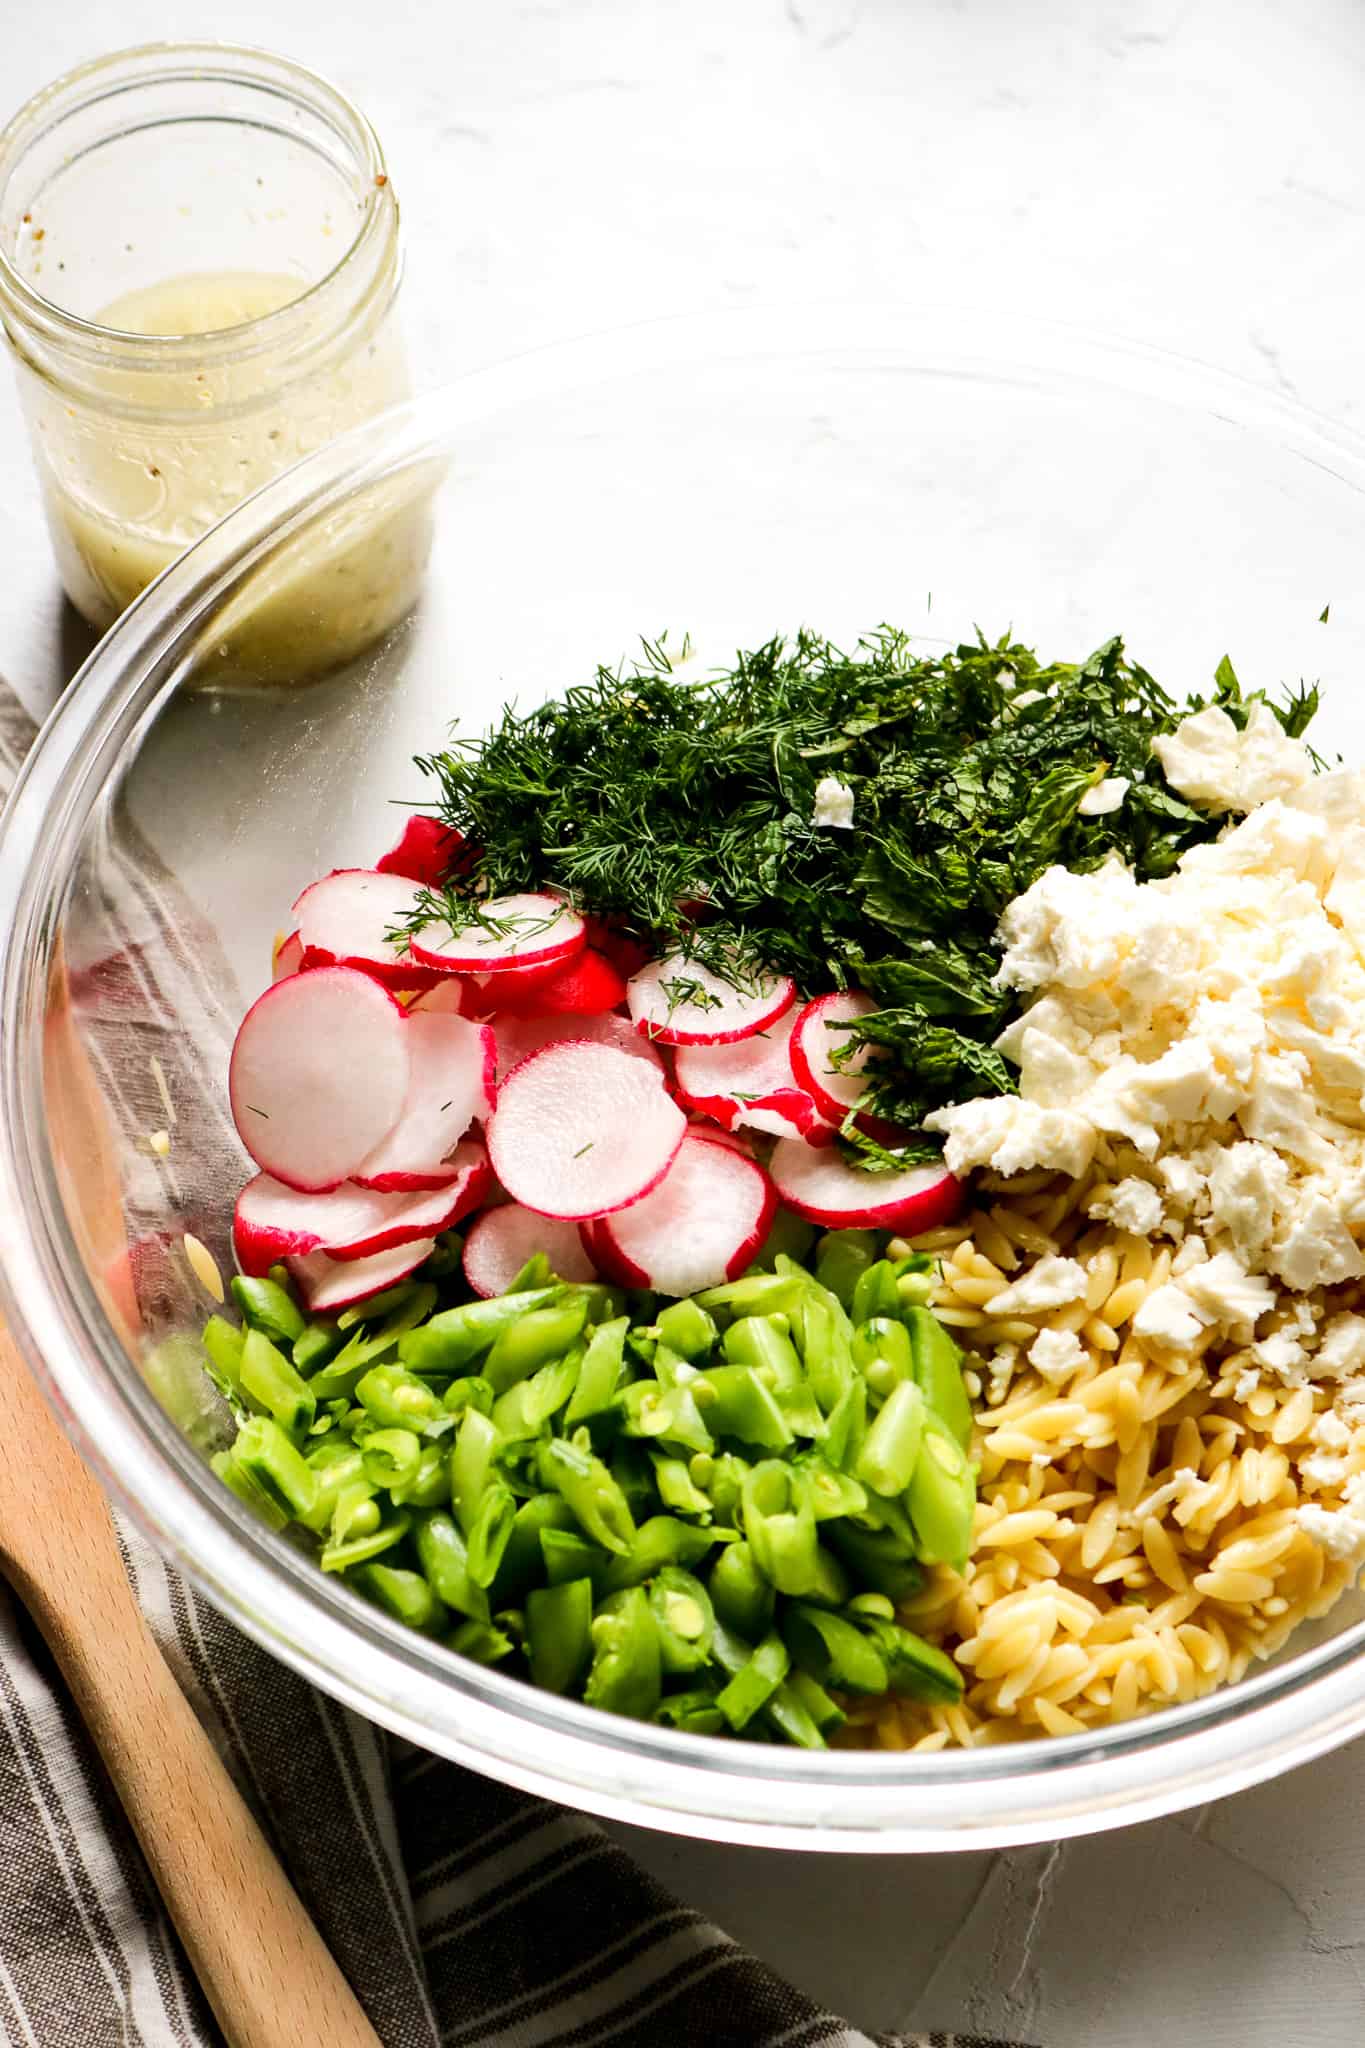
[750,1082]
[327,1285]
[502,1240]
[453,1081]
[425,852]
[582,1129]
[704,1223]
[344,920]
[834,1090]
[454,995]
[288,958]
[513,988]
[716,1013]
[587,986]
[817,1183]
[519,1037]
[319,1074]
[518,931]
[275,1222]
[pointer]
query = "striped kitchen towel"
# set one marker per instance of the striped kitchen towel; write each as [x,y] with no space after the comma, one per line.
[463,1913]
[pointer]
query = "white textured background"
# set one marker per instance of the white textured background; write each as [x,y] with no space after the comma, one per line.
[1190,172]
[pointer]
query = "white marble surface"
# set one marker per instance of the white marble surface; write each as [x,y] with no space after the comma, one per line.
[1190,172]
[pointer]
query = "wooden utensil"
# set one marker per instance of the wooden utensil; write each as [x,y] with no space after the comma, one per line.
[262,1963]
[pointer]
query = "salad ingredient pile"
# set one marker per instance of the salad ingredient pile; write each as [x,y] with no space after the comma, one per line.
[702,1514]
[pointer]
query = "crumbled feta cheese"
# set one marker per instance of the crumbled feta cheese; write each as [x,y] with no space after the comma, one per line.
[1331,1432]
[1009,1135]
[833,804]
[1223,1292]
[1055,1354]
[1133,1205]
[1281,1354]
[1104,796]
[1341,1351]
[1051,1283]
[1340,1531]
[1209,761]
[1168,1316]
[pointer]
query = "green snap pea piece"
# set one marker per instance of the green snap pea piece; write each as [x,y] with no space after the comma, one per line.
[625,1676]
[763,1343]
[223,1343]
[678,1490]
[725,1484]
[742,1598]
[591,1491]
[271,1384]
[390,1457]
[490,1532]
[397,1399]
[267,1307]
[314,1345]
[471,1465]
[252,1495]
[938,1372]
[470,1392]
[444,1557]
[833,1493]
[670,1414]
[891,1448]
[893,1517]
[633,1473]
[841,1259]
[685,1620]
[412,1299]
[735,1402]
[403,1594]
[832,1650]
[694,1713]
[559,1634]
[941,1497]
[526,1407]
[874,1293]
[876,1557]
[757,1294]
[792,1719]
[600,1373]
[337,1465]
[568,1555]
[826,1713]
[790,1237]
[914,1666]
[779,1523]
[457,1336]
[881,1352]
[340,1556]
[825,1348]
[265,1451]
[830,1586]
[754,1679]
[685,1327]
[523,1562]
[660,1541]
[535,1273]
[481,1641]
[429,1484]
[534,1340]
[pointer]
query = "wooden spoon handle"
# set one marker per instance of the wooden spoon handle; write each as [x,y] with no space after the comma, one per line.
[262,1963]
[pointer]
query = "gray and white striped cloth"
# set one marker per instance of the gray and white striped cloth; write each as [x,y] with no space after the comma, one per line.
[463,1913]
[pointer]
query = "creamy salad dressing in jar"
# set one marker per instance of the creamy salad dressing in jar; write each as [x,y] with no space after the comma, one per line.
[199,259]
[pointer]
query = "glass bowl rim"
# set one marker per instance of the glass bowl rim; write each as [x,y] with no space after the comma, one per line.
[836,1800]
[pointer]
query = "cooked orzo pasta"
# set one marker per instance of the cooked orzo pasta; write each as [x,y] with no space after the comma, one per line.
[1138,1535]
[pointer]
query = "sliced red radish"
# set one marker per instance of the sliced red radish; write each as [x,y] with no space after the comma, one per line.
[453,1082]
[345,919]
[586,986]
[515,988]
[426,851]
[519,1037]
[502,1240]
[819,1185]
[319,1074]
[328,1285]
[750,1082]
[288,958]
[679,1002]
[454,995]
[704,1223]
[581,1129]
[835,1090]
[514,931]
[626,954]
[273,1222]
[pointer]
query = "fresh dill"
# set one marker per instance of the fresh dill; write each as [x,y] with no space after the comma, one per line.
[683,811]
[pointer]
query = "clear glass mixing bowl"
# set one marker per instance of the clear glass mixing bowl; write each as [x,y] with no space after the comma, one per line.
[730,478]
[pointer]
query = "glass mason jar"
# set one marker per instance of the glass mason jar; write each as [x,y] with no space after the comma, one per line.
[199,261]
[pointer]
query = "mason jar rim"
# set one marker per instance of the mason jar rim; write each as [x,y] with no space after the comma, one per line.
[117,72]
